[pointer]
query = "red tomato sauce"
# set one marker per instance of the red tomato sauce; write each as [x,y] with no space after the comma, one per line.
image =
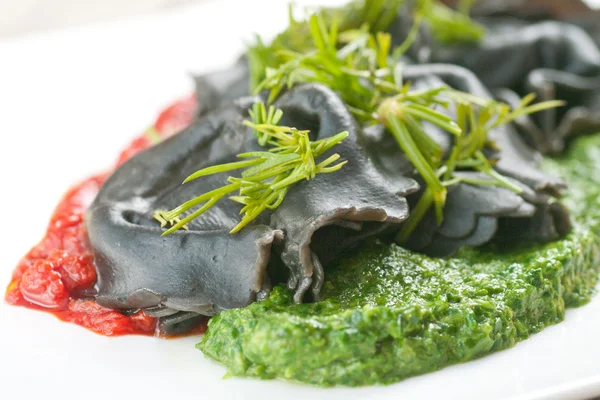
[58,274]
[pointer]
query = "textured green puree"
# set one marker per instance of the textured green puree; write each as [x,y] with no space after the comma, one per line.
[389,313]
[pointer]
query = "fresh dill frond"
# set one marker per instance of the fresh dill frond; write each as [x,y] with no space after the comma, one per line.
[376,15]
[451,26]
[367,16]
[152,135]
[266,175]
[475,118]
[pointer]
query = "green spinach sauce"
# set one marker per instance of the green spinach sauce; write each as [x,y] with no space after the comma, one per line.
[388,313]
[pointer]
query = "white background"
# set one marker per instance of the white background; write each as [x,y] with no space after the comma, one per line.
[21,16]
[69,100]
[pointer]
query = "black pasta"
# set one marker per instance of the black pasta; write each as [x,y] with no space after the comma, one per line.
[526,51]
[472,213]
[204,270]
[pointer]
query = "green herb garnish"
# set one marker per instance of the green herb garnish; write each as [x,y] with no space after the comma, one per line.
[377,15]
[446,24]
[475,118]
[267,175]
[153,135]
[450,26]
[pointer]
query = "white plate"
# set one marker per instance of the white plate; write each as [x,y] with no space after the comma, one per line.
[68,102]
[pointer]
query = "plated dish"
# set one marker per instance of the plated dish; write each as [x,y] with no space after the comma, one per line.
[374,140]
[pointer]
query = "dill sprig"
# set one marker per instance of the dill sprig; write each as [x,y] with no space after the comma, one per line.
[153,135]
[446,25]
[376,14]
[450,26]
[363,69]
[475,118]
[267,175]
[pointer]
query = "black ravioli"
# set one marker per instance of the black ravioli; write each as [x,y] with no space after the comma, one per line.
[472,213]
[523,52]
[471,218]
[205,269]
[359,193]
[515,158]
[195,270]
[550,222]
[222,87]
[555,60]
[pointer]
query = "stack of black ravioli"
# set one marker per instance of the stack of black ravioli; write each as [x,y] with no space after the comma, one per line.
[204,270]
